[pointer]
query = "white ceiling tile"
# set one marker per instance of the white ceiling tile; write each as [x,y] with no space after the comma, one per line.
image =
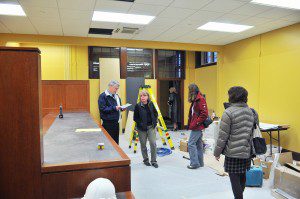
[276,24]
[76,4]
[154,31]
[18,24]
[121,36]
[190,4]
[155,2]
[176,13]
[41,12]
[191,36]
[293,17]
[172,34]
[276,13]
[112,6]
[251,9]
[163,23]
[99,36]
[205,16]
[107,25]
[168,39]
[213,36]
[228,40]
[219,42]
[184,40]
[10,2]
[75,14]
[145,9]
[189,24]
[39,3]
[121,25]
[71,27]
[231,18]
[216,42]
[223,5]
[147,35]
[3,29]
[255,21]
[49,30]
[44,21]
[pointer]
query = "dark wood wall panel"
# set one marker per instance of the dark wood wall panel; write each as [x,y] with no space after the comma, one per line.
[53,96]
[20,134]
[73,184]
[123,63]
[74,95]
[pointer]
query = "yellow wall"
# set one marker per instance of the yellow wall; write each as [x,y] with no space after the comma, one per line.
[206,79]
[54,61]
[268,67]
[66,58]
[189,78]
[12,44]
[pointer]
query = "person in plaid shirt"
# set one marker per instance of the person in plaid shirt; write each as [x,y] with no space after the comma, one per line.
[235,136]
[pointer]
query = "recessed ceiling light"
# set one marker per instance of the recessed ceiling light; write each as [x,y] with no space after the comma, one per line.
[122,18]
[224,27]
[11,9]
[291,4]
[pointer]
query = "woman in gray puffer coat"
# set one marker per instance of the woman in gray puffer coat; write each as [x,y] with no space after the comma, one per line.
[235,138]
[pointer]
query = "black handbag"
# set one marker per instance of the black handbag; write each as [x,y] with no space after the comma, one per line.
[207,122]
[259,146]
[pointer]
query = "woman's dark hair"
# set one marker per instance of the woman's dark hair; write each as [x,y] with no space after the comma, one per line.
[237,94]
[193,92]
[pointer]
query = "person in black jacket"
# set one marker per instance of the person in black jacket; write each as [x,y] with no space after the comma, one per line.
[145,116]
[174,107]
[109,104]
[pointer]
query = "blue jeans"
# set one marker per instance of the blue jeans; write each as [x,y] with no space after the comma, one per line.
[195,146]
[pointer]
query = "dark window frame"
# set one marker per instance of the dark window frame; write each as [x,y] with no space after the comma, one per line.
[92,67]
[150,51]
[203,59]
[170,61]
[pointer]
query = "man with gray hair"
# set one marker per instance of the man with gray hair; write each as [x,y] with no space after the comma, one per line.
[109,104]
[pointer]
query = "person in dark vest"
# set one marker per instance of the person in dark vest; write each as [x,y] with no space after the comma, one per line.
[174,107]
[197,115]
[109,104]
[145,116]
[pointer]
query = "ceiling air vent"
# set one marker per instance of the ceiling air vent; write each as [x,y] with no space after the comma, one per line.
[129,30]
[100,31]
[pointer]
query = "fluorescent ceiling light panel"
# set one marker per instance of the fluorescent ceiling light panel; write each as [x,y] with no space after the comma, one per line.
[224,27]
[11,9]
[122,18]
[290,4]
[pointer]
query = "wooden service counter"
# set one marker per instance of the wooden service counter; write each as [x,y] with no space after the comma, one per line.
[72,159]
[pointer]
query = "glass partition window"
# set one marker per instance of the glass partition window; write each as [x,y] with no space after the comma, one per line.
[203,59]
[139,62]
[100,52]
[171,63]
